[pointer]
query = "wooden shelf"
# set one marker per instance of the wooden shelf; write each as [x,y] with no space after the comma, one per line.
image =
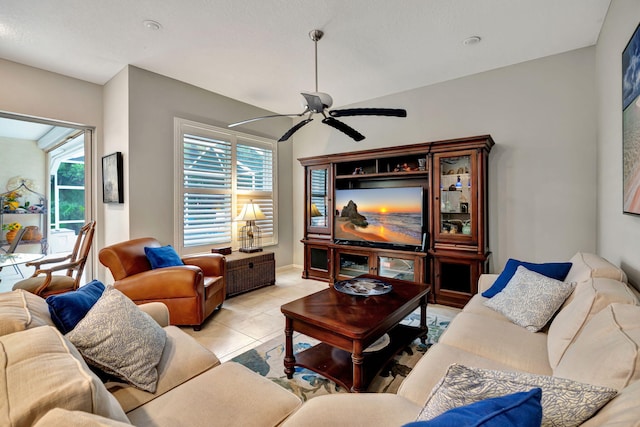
[336,364]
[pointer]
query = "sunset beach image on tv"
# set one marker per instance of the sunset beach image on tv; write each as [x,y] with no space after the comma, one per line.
[379,215]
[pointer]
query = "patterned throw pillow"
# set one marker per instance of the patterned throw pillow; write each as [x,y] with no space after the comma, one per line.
[522,409]
[120,339]
[564,402]
[555,270]
[530,299]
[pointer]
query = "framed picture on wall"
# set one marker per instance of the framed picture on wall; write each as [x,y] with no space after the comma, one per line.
[112,178]
[631,125]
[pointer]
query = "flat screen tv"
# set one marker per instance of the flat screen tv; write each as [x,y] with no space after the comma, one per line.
[381,217]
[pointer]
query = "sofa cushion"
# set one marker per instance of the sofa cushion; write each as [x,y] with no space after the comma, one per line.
[227,395]
[622,411]
[21,310]
[182,359]
[588,299]
[64,417]
[554,270]
[68,309]
[373,409]
[41,370]
[477,305]
[519,349]
[164,256]
[530,299]
[522,409]
[564,402]
[433,366]
[120,339]
[586,266]
[607,351]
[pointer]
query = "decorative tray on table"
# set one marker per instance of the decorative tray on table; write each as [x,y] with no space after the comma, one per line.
[362,286]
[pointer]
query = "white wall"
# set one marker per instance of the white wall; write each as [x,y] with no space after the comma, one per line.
[542,117]
[618,234]
[153,102]
[38,93]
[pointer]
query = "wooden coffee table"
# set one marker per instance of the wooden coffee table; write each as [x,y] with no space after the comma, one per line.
[347,325]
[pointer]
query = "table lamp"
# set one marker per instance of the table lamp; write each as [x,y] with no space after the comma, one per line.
[250,233]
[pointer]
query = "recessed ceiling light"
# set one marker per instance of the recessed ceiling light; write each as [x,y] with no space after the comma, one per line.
[151,25]
[471,40]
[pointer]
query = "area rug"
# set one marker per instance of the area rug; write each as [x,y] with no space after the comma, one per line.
[268,359]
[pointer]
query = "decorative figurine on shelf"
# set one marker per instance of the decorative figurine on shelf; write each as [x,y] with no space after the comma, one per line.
[405,167]
[11,202]
[397,168]
[36,208]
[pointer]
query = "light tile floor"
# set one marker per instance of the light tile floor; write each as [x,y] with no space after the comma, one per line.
[248,320]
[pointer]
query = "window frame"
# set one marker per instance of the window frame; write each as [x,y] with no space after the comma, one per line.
[184,126]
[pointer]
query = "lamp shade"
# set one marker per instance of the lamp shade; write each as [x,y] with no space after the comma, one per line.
[250,212]
[315,211]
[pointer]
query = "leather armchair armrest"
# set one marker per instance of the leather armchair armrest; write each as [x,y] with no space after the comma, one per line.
[158,312]
[211,264]
[163,283]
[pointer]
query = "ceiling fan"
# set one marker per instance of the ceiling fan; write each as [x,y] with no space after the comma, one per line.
[320,102]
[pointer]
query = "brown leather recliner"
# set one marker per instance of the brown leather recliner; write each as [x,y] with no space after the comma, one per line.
[191,292]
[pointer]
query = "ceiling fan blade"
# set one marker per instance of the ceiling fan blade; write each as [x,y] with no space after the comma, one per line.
[391,112]
[344,128]
[267,117]
[294,130]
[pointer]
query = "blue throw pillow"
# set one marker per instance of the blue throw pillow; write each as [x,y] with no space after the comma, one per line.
[164,256]
[68,309]
[555,270]
[521,409]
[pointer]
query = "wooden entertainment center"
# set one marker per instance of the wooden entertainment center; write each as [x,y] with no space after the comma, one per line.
[449,250]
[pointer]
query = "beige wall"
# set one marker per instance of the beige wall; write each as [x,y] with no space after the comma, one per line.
[33,92]
[555,171]
[153,102]
[542,170]
[618,234]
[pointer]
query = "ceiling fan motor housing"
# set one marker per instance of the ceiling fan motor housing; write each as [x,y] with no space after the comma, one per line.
[317,101]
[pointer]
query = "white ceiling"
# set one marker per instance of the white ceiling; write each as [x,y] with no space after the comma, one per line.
[259,52]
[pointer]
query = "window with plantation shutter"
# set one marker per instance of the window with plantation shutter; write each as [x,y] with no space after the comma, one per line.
[220,171]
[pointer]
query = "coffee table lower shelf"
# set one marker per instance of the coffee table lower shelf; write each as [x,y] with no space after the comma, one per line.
[336,364]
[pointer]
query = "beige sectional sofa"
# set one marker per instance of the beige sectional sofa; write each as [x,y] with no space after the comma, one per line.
[605,355]
[593,339]
[42,370]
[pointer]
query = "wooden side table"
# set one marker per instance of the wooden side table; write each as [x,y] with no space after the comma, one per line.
[249,271]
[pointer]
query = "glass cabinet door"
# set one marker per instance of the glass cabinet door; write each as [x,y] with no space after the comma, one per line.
[396,268]
[352,265]
[455,201]
[318,202]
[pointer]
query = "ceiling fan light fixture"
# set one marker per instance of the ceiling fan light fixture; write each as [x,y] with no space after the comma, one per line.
[152,25]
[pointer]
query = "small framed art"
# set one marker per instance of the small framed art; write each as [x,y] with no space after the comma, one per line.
[112,178]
